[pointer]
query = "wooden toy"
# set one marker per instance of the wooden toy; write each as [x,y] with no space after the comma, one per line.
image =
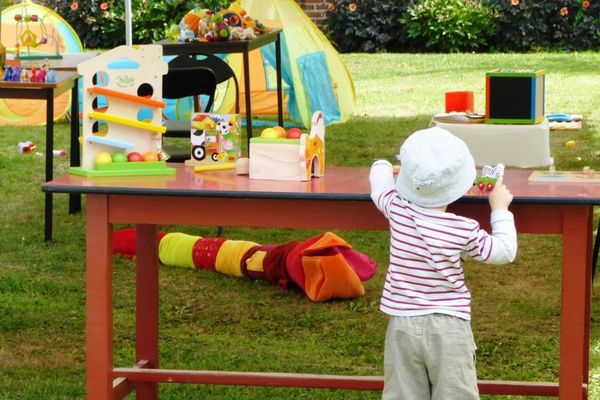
[487,180]
[290,159]
[121,113]
[514,96]
[562,121]
[216,167]
[215,141]
[27,24]
[586,175]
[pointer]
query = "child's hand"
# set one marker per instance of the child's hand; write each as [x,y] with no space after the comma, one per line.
[500,198]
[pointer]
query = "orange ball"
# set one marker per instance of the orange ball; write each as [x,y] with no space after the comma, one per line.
[280,130]
[151,156]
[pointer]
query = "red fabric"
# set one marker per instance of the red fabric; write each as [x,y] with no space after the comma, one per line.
[204,253]
[275,265]
[294,261]
[124,241]
[250,253]
[364,266]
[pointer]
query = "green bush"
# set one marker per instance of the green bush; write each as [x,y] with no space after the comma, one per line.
[449,25]
[87,17]
[365,25]
[550,24]
[151,19]
[101,23]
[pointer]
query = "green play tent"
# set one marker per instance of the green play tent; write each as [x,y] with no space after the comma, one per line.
[314,75]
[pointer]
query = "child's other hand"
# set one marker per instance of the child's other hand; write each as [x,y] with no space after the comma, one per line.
[500,198]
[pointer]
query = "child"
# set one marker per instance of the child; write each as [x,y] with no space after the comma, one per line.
[429,346]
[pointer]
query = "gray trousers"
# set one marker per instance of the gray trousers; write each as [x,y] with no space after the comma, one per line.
[429,357]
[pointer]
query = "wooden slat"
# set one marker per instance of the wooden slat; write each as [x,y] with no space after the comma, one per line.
[121,388]
[314,381]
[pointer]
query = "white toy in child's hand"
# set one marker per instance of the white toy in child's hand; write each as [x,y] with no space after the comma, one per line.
[491,172]
[488,178]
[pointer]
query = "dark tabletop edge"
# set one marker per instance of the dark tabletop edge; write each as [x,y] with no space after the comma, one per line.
[288,195]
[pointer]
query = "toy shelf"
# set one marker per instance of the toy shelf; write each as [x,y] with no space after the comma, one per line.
[128,122]
[131,79]
[128,97]
[111,142]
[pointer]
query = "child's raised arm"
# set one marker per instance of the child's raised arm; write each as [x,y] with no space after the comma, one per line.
[500,198]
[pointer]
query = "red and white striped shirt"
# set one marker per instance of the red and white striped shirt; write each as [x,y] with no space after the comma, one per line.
[425,275]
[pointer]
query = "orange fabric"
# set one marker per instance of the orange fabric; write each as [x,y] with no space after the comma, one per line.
[326,241]
[293,260]
[327,274]
[330,277]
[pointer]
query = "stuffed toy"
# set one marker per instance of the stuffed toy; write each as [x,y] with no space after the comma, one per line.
[324,267]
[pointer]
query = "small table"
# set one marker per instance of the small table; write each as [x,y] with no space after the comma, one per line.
[173,47]
[339,200]
[48,91]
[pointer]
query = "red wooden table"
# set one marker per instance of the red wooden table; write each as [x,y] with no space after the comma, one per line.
[340,200]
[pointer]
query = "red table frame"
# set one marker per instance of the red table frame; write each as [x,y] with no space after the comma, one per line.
[329,203]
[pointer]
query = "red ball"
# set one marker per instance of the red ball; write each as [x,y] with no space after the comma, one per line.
[134,156]
[480,185]
[293,133]
[490,187]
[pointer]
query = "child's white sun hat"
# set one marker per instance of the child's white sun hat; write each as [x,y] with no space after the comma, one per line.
[436,168]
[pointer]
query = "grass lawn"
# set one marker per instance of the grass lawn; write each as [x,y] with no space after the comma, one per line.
[212,321]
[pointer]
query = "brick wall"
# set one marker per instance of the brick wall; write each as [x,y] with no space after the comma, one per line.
[315,9]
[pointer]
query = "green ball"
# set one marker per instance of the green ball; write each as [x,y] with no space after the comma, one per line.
[119,156]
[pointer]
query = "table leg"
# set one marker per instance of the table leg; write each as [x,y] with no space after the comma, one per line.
[99,314]
[49,162]
[575,313]
[146,346]
[75,159]
[247,97]
[279,82]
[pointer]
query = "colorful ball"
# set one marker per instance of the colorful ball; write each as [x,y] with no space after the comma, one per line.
[269,133]
[102,158]
[151,156]
[281,131]
[119,156]
[294,133]
[134,156]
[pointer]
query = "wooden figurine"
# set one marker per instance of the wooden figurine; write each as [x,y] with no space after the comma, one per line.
[285,158]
